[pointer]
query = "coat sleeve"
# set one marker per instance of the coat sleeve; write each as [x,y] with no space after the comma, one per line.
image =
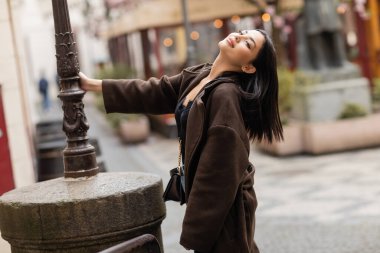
[220,170]
[154,96]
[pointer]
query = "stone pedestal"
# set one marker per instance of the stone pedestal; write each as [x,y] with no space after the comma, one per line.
[82,215]
[325,101]
[342,135]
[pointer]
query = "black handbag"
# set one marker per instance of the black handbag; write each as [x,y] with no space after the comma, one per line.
[175,189]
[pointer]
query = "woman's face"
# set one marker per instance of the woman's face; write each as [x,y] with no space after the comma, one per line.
[241,48]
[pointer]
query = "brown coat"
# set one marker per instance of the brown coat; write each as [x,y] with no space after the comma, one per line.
[221,202]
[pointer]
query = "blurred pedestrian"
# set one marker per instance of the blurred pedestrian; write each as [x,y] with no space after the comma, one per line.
[219,107]
[43,86]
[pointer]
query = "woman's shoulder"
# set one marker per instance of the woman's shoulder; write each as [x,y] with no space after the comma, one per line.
[226,91]
[225,99]
[198,68]
[224,107]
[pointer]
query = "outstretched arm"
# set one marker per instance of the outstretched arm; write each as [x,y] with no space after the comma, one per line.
[154,96]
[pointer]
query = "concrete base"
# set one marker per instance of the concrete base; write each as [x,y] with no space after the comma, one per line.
[82,215]
[292,144]
[341,135]
[134,131]
[325,101]
[327,137]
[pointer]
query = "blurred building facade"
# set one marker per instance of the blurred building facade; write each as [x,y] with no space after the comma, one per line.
[149,36]
[157,25]
[14,92]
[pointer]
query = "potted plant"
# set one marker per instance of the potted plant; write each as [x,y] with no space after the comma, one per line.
[132,128]
[354,129]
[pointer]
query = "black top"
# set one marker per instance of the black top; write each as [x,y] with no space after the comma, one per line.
[181,115]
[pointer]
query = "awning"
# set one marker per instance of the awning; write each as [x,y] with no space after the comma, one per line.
[164,13]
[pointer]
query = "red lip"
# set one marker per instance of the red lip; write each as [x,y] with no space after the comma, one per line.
[231,42]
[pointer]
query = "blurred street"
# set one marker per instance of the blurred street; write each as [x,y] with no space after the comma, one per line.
[313,204]
[329,94]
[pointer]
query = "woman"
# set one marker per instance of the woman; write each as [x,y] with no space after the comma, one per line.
[219,107]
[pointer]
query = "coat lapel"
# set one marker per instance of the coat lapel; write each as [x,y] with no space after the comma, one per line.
[194,135]
[194,82]
[196,127]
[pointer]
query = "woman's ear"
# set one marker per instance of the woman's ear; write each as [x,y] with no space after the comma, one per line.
[248,68]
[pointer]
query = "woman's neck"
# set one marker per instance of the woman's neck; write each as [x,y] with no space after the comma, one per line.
[218,67]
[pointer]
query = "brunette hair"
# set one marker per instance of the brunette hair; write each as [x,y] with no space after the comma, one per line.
[260,95]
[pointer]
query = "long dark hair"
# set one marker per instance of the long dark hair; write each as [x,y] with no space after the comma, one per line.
[260,95]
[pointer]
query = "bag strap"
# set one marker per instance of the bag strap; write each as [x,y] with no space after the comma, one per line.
[179,156]
[179,168]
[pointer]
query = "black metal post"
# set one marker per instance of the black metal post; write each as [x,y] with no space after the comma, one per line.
[79,156]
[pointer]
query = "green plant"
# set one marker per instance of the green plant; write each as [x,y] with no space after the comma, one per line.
[99,103]
[304,79]
[286,85]
[376,90]
[352,110]
[116,118]
[376,95]
[117,71]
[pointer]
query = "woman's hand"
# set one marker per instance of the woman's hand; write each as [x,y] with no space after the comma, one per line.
[89,84]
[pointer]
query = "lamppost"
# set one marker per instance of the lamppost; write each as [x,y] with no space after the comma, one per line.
[79,156]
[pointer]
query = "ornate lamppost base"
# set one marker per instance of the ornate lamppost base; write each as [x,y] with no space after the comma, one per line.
[82,215]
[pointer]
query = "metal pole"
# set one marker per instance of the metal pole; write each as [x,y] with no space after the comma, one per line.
[79,156]
[190,50]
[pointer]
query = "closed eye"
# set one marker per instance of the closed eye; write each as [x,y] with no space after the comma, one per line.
[246,42]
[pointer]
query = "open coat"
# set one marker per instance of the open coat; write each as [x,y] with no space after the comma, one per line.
[221,202]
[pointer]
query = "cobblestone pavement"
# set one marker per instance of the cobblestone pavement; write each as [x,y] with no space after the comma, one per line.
[307,204]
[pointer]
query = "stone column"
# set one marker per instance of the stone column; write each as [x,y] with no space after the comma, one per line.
[84,211]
